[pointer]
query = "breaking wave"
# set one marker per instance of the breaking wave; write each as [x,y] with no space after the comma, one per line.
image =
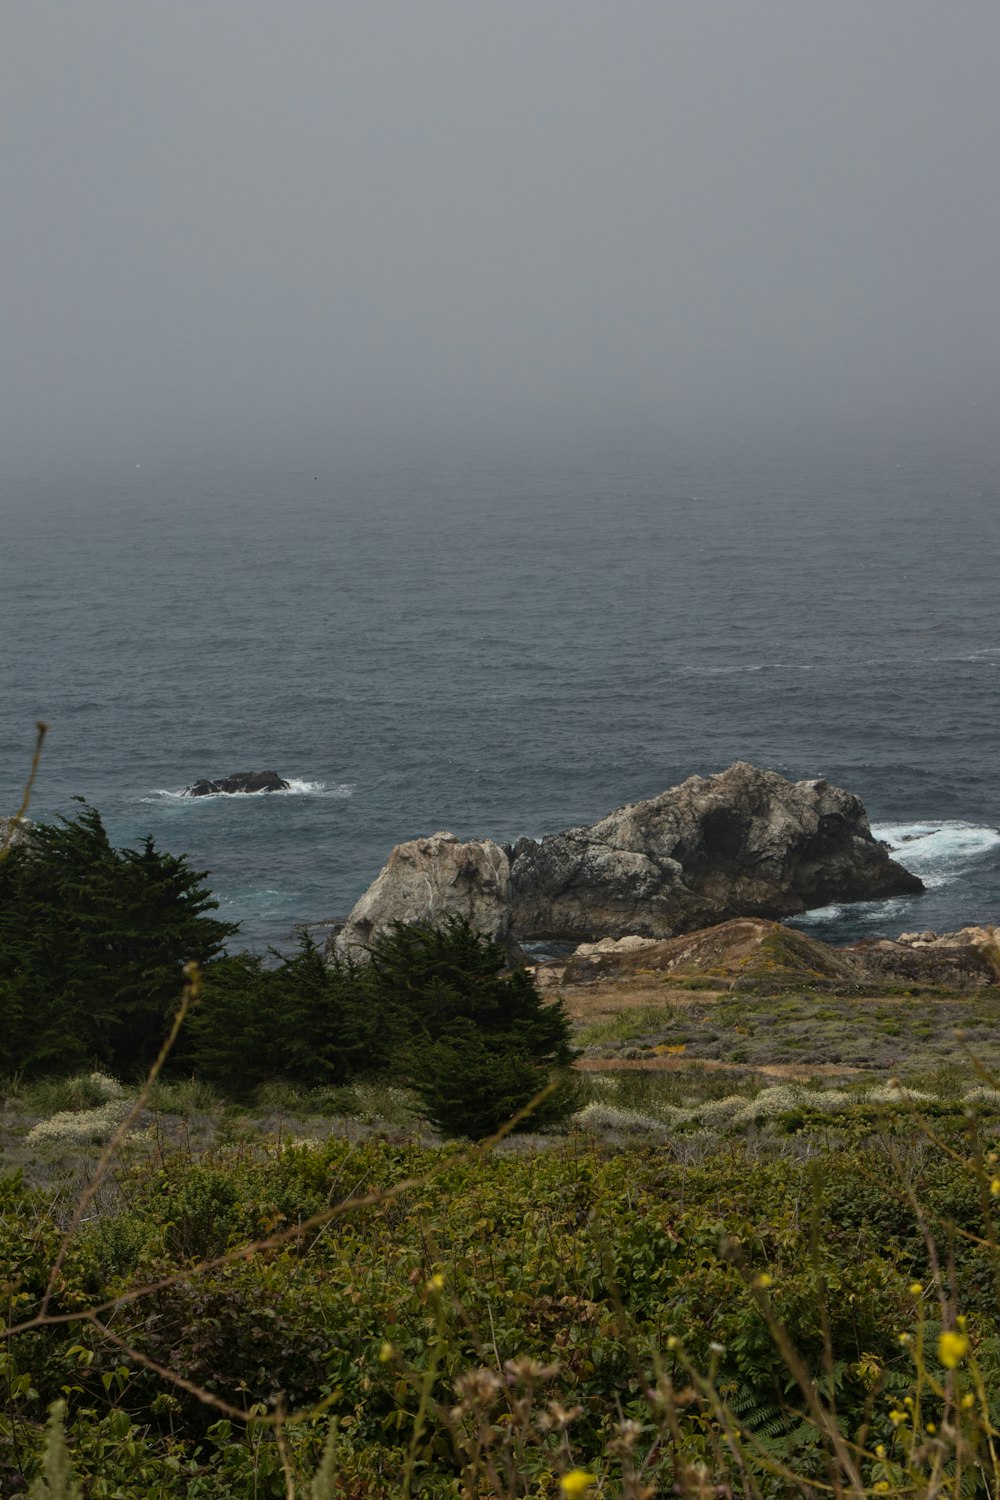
[938,852]
[297,787]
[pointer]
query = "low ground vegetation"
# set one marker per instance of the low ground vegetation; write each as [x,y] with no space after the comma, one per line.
[759,1323]
[747,1247]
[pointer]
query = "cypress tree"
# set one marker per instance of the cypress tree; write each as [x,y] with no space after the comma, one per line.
[475,1040]
[93,941]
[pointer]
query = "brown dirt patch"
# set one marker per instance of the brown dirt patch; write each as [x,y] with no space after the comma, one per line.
[796,1071]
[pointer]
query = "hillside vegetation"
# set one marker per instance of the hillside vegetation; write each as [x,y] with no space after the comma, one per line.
[746,1247]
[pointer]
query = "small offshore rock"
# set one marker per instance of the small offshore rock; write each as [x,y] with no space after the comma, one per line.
[240,781]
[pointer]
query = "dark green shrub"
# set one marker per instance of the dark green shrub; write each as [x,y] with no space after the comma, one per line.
[291,1018]
[477,1042]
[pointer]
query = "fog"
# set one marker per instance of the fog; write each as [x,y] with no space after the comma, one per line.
[240,230]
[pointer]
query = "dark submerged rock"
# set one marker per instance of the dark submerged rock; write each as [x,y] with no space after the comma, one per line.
[240,781]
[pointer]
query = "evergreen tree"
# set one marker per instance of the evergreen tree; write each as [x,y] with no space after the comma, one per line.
[476,1041]
[290,1018]
[93,941]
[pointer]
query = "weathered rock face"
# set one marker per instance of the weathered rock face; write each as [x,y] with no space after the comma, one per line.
[743,843]
[14,832]
[240,781]
[428,879]
[963,959]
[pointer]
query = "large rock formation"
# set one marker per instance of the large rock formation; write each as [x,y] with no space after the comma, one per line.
[14,831]
[240,781]
[743,843]
[428,879]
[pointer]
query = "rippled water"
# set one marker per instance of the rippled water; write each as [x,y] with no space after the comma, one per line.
[507,647]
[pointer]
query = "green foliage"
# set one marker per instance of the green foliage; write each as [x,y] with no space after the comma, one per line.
[296,1019]
[93,940]
[476,1042]
[614,1275]
[56,1479]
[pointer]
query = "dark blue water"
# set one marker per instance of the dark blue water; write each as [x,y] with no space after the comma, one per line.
[504,647]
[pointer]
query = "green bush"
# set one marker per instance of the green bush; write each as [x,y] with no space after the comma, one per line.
[475,1041]
[296,1019]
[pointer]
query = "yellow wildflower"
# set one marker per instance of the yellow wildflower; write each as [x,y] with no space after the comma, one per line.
[764,1280]
[995,1187]
[436,1283]
[916,1288]
[880,1450]
[929,1427]
[968,1400]
[952,1349]
[577,1482]
[385,1353]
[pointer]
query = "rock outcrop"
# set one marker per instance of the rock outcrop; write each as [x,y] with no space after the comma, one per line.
[743,843]
[240,781]
[428,879]
[740,953]
[752,954]
[14,831]
[961,959]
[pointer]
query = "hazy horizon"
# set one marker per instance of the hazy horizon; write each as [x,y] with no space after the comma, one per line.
[251,231]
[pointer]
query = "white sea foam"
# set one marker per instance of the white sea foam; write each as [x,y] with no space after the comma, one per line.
[939,852]
[297,787]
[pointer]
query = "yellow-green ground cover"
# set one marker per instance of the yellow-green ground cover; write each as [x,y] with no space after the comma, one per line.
[806,1309]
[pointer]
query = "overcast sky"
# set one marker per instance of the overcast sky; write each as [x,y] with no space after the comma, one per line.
[234,226]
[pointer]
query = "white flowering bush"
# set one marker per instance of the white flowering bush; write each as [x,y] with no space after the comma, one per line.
[106,1086]
[599,1117]
[896,1094]
[79,1127]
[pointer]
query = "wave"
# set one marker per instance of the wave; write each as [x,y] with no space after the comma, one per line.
[939,852]
[297,787]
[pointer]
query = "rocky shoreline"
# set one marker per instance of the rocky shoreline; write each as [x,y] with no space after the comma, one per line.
[745,843]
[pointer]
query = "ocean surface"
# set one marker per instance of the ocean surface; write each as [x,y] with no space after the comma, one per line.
[506,646]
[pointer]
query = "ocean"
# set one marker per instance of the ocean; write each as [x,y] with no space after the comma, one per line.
[503,646]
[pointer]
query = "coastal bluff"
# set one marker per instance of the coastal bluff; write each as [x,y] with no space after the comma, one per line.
[743,843]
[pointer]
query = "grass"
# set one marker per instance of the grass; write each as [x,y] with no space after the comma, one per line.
[699,1289]
[911,1035]
[454,1325]
[637,1021]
